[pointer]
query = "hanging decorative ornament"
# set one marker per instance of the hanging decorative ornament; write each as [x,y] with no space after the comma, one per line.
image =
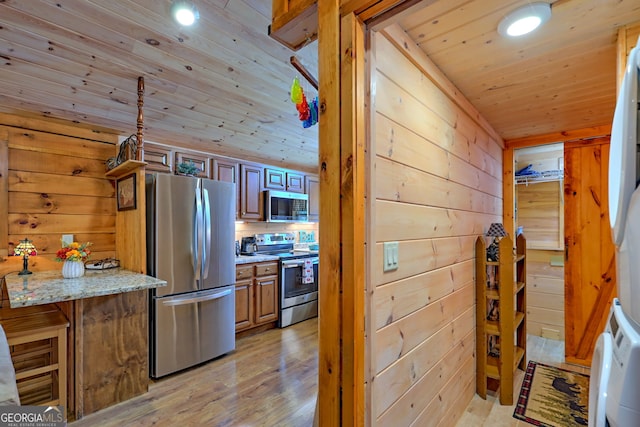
[296,91]
[307,110]
[303,108]
[313,116]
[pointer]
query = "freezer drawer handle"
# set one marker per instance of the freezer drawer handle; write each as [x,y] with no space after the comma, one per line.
[191,300]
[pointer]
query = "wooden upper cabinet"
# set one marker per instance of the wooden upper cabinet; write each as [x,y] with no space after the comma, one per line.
[312,189]
[251,192]
[229,171]
[200,160]
[157,157]
[225,170]
[277,179]
[294,22]
[295,182]
[274,179]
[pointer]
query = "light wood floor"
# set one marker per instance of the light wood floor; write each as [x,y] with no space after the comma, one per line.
[270,380]
[489,412]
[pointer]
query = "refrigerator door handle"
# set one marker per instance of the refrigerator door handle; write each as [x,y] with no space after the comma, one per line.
[192,300]
[197,236]
[207,233]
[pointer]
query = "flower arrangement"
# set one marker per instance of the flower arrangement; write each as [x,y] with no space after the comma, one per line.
[73,251]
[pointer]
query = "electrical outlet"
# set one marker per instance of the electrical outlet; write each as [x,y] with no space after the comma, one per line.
[67,239]
[390,256]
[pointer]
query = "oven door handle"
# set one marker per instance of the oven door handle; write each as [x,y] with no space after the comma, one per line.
[297,262]
[292,263]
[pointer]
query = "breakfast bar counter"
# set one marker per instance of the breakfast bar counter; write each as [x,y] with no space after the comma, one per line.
[46,287]
[107,335]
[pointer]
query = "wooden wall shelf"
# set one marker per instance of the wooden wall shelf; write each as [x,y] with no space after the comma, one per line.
[501,336]
[124,168]
[546,176]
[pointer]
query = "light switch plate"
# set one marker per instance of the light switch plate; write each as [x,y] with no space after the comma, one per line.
[390,256]
[67,239]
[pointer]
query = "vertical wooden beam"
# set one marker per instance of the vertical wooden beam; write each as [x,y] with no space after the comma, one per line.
[353,163]
[4,193]
[131,247]
[329,311]
[508,191]
[621,53]
[140,119]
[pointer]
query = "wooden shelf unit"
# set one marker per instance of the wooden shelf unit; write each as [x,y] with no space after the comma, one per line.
[37,338]
[508,332]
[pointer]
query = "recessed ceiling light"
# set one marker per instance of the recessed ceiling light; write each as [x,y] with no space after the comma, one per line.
[525,19]
[184,12]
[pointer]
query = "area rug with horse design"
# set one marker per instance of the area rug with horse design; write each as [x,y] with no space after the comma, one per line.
[553,397]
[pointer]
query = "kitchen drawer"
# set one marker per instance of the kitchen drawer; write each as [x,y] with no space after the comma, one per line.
[244,272]
[266,269]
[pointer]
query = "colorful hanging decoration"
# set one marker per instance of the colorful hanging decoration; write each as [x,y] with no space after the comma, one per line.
[303,109]
[307,111]
[313,116]
[296,91]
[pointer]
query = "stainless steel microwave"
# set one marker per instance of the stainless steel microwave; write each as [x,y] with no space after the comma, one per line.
[282,206]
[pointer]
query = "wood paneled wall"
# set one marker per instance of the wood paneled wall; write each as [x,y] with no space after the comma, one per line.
[437,185]
[541,214]
[52,182]
[56,185]
[545,293]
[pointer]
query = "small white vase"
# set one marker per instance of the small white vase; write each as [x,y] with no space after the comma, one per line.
[72,269]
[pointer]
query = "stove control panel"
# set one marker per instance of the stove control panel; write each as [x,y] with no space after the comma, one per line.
[275,238]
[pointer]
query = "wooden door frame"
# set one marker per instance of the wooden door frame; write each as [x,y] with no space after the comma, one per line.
[508,182]
[343,28]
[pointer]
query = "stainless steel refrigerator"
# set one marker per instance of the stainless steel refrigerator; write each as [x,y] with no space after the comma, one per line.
[191,245]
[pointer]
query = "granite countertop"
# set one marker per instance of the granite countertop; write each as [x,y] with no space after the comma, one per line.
[248,259]
[45,287]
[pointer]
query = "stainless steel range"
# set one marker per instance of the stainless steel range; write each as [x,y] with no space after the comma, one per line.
[298,275]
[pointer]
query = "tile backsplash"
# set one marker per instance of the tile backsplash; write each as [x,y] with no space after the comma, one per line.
[304,231]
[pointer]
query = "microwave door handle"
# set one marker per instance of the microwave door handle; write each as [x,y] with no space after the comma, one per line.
[207,233]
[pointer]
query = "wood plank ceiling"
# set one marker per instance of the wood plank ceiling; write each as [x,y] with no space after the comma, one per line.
[223,85]
[560,78]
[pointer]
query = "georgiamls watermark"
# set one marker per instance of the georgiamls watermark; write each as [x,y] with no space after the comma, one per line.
[32,416]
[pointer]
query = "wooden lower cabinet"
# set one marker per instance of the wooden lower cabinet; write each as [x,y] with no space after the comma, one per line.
[256,295]
[266,293]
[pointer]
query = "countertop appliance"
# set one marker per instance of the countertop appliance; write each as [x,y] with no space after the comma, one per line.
[248,246]
[298,276]
[191,245]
